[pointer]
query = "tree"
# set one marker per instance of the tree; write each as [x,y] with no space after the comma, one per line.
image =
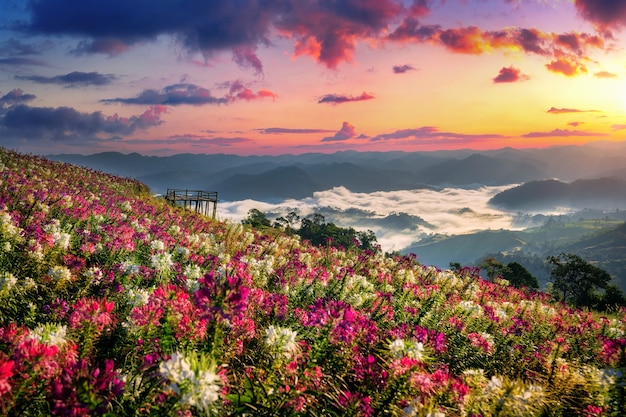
[318,232]
[577,281]
[287,223]
[519,277]
[256,219]
[494,268]
[613,298]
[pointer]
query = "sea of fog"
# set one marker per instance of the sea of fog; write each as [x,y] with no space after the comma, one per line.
[446,211]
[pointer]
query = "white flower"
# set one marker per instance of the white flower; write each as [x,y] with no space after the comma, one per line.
[206,390]
[94,274]
[494,386]
[61,239]
[7,281]
[281,339]
[183,251]
[52,334]
[129,267]
[193,379]
[60,274]
[192,272]
[8,225]
[409,348]
[138,296]
[176,370]
[397,348]
[157,245]
[470,307]
[162,261]
[415,351]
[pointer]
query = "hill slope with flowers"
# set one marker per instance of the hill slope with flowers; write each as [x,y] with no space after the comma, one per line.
[114,303]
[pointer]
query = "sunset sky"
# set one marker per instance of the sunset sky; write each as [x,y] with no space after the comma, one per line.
[294,76]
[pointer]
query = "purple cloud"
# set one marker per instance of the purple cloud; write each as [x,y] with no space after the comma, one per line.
[15,97]
[401,69]
[340,98]
[281,130]
[190,94]
[68,124]
[560,133]
[555,110]
[19,61]
[347,131]
[510,75]
[72,79]
[603,13]
[431,134]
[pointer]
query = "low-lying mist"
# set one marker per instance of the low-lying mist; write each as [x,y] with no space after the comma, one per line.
[398,218]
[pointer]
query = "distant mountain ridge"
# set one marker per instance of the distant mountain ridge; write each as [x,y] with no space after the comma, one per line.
[609,193]
[237,177]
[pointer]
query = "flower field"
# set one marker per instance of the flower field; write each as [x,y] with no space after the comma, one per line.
[113,303]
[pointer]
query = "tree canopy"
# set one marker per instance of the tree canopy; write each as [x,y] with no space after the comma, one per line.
[576,281]
[316,230]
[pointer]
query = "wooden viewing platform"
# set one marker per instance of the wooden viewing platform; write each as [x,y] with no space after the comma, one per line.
[194,199]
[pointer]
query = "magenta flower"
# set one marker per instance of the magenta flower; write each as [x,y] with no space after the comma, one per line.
[96,312]
[86,390]
[6,372]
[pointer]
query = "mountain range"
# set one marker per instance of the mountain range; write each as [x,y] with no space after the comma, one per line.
[551,194]
[266,178]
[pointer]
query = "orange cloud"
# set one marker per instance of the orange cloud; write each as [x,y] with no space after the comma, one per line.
[566,66]
[568,50]
[605,74]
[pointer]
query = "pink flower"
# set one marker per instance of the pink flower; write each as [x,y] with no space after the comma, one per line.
[172,304]
[357,402]
[94,311]
[100,384]
[481,341]
[6,372]
[593,411]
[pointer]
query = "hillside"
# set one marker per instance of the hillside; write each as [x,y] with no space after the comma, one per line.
[601,193]
[113,302]
[600,241]
[465,249]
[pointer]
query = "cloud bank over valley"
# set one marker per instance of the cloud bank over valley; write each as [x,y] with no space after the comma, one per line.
[447,211]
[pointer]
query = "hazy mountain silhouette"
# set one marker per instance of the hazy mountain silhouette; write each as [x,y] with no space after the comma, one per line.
[282,182]
[608,193]
[361,179]
[480,169]
[362,171]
